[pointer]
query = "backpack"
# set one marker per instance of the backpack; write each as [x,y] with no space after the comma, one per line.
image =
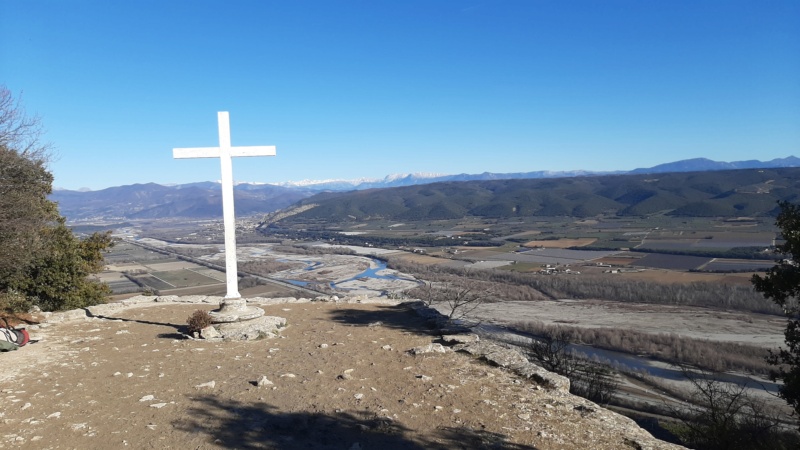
[11,339]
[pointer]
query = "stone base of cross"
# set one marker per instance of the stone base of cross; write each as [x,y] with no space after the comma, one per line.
[233,307]
[235,310]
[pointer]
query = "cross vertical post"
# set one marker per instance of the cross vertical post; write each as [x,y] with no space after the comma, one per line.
[228,215]
[233,308]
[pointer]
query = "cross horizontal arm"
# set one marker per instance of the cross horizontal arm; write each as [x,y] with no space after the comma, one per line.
[215,152]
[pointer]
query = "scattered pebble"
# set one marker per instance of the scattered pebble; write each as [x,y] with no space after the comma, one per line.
[209,384]
[147,398]
[263,381]
[158,405]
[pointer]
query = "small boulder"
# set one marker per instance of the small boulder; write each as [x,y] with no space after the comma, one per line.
[430,348]
[210,332]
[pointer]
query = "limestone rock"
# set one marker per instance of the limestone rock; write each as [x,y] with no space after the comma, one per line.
[460,338]
[210,332]
[64,316]
[249,330]
[430,348]
[139,299]
[514,361]
[104,309]
[215,300]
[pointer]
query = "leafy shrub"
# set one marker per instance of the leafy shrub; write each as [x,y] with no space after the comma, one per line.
[14,302]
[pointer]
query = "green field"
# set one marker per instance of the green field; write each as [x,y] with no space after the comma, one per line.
[183,278]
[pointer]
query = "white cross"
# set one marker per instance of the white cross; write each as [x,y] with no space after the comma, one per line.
[224,152]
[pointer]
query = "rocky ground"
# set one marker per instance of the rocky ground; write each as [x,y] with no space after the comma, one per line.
[339,376]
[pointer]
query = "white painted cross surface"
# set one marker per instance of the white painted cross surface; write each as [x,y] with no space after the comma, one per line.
[224,152]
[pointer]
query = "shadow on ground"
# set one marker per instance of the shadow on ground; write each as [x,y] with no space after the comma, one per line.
[181,331]
[234,424]
[391,316]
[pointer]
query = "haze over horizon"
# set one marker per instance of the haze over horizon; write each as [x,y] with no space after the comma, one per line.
[400,179]
[361,90]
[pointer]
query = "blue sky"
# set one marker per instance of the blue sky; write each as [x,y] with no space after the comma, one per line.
[350,89]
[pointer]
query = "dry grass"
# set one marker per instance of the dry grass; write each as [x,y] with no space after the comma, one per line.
[672,276]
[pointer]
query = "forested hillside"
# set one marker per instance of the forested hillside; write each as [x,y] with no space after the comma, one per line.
[734,193]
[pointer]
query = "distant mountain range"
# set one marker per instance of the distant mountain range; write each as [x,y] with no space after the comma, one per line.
[203,199]
[396,180]
[154,201]
[703,164]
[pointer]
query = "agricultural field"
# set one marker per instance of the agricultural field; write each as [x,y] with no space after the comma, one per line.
[734,265]
[673,276]
[543,256]
[181,278]
[672,262]
[156,271]
[561,243]
[710,241]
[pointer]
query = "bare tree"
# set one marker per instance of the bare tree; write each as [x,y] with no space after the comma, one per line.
[723,415]
[19,131]
[24,186]
[458,298]
[588,379]
[551,351]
